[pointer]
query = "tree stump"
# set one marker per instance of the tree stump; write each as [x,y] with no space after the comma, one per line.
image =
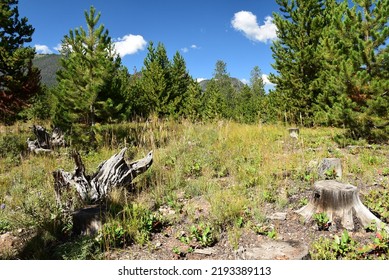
[294,132]
[338,200]
[44,142]
[112,173]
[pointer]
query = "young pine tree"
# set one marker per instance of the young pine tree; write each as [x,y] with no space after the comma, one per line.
[87,82]
[19,80]
[355,79]
[297,60]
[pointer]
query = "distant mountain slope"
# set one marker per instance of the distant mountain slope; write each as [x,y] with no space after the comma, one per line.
[238,85]
[49,65]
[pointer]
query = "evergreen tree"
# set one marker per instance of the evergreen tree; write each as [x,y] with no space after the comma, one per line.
[180,82]
[227,93]
[167,89]
[256,82]
[297,60]
[354,80]
[19,80]
[213,102]
[191,105]
[88,80]
[155,80]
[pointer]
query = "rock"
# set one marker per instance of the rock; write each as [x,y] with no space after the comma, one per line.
[166,210]
[278,216]
[7,242]
[330,168]
[206,251]
[277,250]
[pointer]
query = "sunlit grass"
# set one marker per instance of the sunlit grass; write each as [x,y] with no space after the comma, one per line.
[235,169]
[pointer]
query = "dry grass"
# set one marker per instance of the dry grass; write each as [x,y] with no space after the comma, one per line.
[236,169]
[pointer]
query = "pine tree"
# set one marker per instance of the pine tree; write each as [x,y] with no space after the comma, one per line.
[227,97]
[155,80]
[213,102]
[297,60]
[88,83]
[166,86]
[180,82]
[19,80]
[354,80]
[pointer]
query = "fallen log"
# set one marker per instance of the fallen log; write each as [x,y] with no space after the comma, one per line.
[112,173]
[340,200]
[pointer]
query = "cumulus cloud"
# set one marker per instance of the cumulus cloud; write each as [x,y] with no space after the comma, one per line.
[266,81]
[187,49]
[58,47]
[42,49]
[246,22]
[129,44]
[200,79]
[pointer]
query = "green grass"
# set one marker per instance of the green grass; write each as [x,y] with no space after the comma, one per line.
[236,169]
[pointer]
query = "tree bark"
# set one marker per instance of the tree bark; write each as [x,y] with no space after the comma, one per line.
[338,200]
[112,173]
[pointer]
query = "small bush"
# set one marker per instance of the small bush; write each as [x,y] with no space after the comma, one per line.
[12,146]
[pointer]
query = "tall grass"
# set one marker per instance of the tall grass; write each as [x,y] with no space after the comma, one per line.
[236,170]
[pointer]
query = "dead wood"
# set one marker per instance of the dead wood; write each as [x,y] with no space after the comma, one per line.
[340,200]
[45,142]
[112,173]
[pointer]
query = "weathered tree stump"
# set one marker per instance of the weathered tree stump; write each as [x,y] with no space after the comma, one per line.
[338,200]
[112,173]
[44,142]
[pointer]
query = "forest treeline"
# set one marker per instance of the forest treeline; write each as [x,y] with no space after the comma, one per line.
[331,62]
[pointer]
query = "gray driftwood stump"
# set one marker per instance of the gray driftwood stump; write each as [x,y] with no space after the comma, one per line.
[45,142]
[112,173]
[338,200]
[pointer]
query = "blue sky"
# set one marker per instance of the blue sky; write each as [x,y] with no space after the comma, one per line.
[239,32]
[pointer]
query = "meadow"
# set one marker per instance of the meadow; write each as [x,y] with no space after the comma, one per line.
[210,185]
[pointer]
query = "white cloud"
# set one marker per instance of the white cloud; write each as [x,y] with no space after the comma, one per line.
[200,79]
[58,47]
[246,22]
[245,81]
[266,81]
[43,49]
[130,44]
[193,47]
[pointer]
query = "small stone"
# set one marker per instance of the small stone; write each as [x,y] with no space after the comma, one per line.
[205,251]
[278,216]
[158,244]
[2,206]
[332,227]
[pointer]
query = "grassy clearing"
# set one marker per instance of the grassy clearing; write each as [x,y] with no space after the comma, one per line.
[238,173]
